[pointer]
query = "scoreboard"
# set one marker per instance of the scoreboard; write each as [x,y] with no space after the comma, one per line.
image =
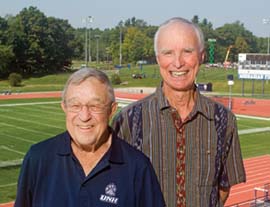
[254,66]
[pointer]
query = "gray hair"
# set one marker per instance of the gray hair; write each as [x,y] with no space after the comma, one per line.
[180,20]
[82,74]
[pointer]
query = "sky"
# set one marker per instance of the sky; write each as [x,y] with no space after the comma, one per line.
[108,13]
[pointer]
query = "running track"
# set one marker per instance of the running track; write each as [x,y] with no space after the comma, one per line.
[257,169]
[257,172]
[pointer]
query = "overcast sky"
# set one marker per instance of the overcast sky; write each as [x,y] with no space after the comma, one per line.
[107,13]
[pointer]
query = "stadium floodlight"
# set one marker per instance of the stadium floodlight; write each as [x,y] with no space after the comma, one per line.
[97,57]
[120,43]
[90,20]
[267,21]
[87,46]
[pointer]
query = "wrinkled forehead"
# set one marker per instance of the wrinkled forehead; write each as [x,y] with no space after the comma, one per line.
[90,88]
[177,29]
[176,35]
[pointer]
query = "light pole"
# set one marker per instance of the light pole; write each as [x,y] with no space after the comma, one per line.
[230,84]
[86,43]
[120,45]
[267,21]
[87,47]
[90,19]
[97,57]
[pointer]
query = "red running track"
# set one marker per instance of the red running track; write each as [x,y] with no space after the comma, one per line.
[257,171]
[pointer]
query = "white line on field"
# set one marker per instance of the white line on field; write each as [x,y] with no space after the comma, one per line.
[7,185]
[11,150]
[31,122]
[29,130]
[18,138]
[32,103]
[254,130]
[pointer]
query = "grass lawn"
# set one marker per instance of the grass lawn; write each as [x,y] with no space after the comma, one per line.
[216,76]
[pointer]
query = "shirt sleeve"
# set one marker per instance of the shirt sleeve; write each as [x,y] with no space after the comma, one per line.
[117,123]
[148,191]
[24,186]
[234,166]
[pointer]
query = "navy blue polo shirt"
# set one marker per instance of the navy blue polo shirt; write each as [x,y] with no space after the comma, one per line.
[52,176]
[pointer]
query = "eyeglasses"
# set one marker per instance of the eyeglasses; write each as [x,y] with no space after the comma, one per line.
[93,108]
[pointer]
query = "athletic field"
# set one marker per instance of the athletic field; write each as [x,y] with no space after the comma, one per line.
[27,121]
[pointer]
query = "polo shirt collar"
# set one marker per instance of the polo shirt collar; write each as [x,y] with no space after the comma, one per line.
[64,144]
[114,154]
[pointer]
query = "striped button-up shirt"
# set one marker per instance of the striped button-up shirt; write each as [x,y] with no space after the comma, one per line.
[210,160]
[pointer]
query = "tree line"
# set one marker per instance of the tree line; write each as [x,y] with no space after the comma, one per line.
[32,43]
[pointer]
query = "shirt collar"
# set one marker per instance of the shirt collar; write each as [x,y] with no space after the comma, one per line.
[201,104]
[114,154]
[64,144]
[163,103]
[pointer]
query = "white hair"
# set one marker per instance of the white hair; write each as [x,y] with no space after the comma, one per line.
[180,20]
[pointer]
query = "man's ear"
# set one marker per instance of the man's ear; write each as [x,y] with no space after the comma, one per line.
[63,106]
[202,57]
[157,59]
[113,109]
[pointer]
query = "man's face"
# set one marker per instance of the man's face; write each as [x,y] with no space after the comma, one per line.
[88,110]
[178,56]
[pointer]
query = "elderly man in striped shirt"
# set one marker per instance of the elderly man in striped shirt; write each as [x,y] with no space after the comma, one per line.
[191,140]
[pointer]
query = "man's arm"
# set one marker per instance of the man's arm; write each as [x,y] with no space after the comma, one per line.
[224,194]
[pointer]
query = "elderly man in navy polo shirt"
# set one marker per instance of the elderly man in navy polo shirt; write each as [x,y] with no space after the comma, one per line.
[87,165]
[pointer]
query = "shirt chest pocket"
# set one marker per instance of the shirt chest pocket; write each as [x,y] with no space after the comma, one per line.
[207,163]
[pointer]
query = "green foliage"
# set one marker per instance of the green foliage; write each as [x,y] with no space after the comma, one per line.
[15,79]
[6,57]
[32,43]
[40,44]
[115,79]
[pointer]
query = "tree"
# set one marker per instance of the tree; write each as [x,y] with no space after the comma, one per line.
[40,44]
[227,35]
[26,34]
[136,45]
[6,57]
[59,51]
[241,45]
[195,19]
[133,22]
[3,29]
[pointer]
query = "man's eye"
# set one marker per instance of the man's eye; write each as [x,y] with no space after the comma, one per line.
[188,50]
[96,108]
[168,53]
[75,106]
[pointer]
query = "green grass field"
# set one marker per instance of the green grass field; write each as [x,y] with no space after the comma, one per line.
[27,121]
[217,76]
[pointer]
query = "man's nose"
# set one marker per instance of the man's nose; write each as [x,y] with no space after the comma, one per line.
[178,61]
[85,114]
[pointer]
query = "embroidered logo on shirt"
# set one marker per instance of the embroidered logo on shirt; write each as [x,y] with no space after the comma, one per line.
[109,196]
